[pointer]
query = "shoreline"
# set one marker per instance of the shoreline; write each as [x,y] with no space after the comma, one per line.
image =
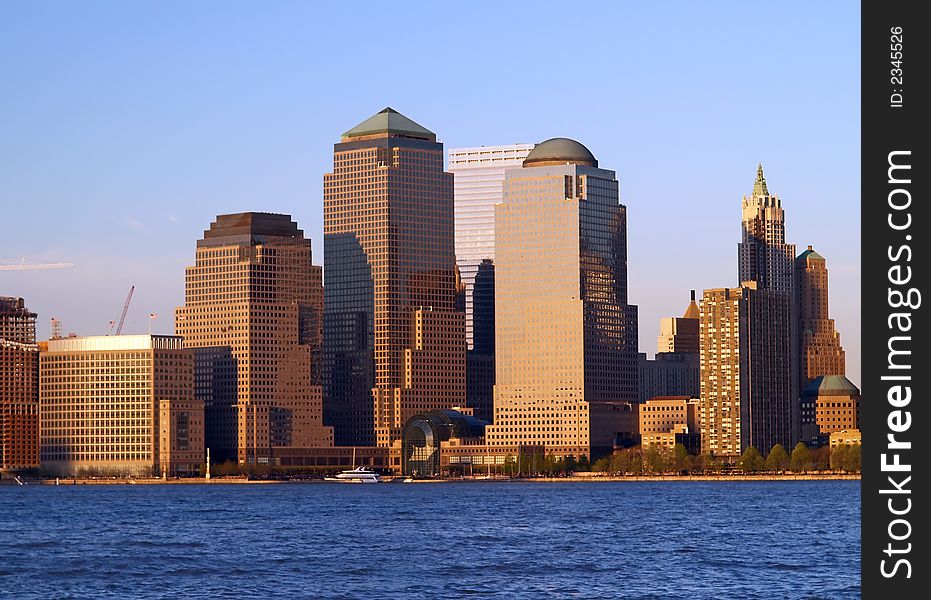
[398,479]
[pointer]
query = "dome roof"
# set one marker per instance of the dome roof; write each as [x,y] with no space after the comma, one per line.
[558,151]
[831,385]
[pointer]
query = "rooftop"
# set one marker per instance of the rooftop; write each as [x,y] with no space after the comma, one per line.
[253,223]
[831,385]
[390,121]
[558,151]
[810,254]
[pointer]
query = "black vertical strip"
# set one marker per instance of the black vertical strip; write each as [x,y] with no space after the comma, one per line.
[896,367]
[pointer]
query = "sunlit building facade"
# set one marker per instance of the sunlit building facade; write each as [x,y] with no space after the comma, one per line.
[479,175]
[820,352]
[829,403]
[763,254]
[119,405]
[388,221]
[748,395]
[253,315]
[565,335]
[679,334]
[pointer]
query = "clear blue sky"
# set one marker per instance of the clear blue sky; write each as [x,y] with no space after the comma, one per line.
[126,127]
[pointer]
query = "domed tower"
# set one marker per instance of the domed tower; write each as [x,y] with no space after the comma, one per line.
[560,151]
[565,336]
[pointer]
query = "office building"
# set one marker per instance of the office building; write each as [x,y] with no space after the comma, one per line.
[480,359]
[748,390]
[667,421]
[19,386]
[679,334]
[119,405]
[479,174]
[675,369]
[389,250]
[669,374]
[820,351]
[565,335]
[253,315]
[763,254]
[829,403]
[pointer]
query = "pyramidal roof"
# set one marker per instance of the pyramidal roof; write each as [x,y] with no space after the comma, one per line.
[390,121]
[831,385]
[692,311]
[810,254]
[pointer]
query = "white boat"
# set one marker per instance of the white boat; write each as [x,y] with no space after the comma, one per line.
[360,474]
[357,475]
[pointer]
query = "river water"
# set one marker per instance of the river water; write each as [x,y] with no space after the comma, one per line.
[761,539]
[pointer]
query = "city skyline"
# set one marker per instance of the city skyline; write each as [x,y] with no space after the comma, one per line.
[119,180]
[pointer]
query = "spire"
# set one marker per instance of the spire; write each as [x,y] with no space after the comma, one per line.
[759,186]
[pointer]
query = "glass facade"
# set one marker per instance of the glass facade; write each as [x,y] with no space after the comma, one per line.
[479,175]
[424,434]
[565,335]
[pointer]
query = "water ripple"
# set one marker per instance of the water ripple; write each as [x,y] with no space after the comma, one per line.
[514,540]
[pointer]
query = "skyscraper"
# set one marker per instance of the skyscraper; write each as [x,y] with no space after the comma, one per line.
[565,335]
[253,313]
[820,352]
[748,395]
[479,173]
[764,256]
[19,386]
[389,252]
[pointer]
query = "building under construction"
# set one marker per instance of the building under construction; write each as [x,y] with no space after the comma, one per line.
[19,386]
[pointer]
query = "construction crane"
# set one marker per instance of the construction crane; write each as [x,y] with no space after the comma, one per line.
[129,297]
[24,266]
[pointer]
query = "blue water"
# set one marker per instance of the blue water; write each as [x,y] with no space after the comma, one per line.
[505,540]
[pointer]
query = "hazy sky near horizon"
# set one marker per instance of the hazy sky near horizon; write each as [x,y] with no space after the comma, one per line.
[125,128]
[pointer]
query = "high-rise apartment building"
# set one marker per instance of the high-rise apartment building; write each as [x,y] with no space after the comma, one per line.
[389,252]
[19,386]
[565,335]
[748,390]
[479,174]
[119,405]
[820,351]
[253,315]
